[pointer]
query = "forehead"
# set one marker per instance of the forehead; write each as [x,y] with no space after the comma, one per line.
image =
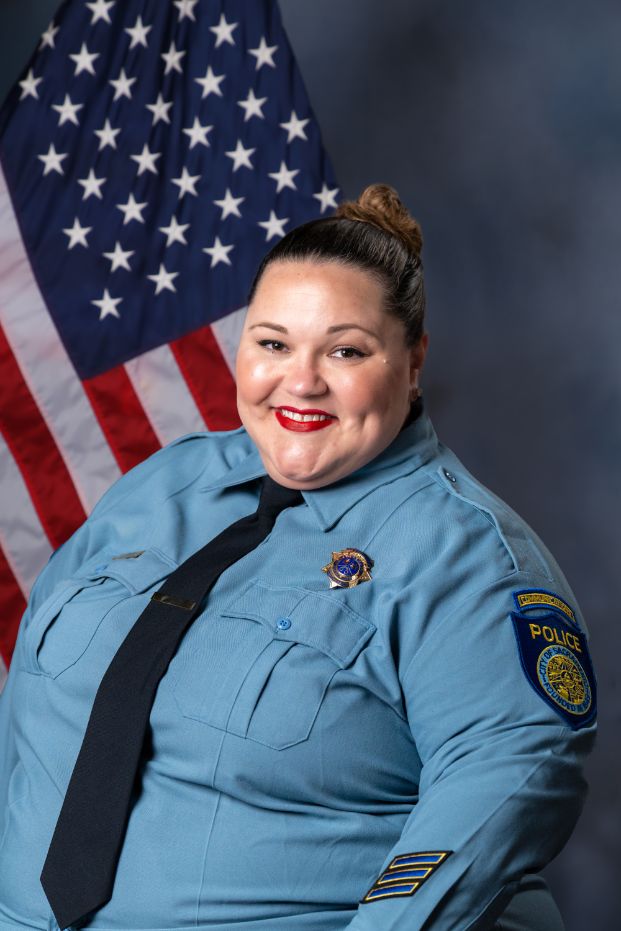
[322,286]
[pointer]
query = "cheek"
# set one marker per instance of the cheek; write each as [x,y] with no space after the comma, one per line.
[254,378]
[373,394]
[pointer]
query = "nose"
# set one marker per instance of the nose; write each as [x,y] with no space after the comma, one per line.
[304,377]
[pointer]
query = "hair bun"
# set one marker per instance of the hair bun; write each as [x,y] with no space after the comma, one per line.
[379,204]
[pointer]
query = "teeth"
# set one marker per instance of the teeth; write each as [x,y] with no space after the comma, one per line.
[303,418]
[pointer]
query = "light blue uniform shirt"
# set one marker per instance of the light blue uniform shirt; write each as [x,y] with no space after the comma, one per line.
[310,746]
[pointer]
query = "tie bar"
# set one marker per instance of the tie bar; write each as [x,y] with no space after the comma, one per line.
[175,602]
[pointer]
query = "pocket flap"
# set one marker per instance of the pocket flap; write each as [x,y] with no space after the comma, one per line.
[137,571]
[63,626]
[300,616]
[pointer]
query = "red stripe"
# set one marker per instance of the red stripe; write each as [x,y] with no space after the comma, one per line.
[208,378]
[33,447]
[13,606]
[122,418]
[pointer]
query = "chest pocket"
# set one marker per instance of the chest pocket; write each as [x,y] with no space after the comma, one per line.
[261,668]
[63,628]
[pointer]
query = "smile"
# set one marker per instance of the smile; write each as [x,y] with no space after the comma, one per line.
[302,422]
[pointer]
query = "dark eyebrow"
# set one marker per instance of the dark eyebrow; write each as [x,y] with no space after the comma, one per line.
[332,329]
[271,326]
[350,326]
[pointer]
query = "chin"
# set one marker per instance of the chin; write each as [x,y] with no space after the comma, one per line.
[298,473]
[297,476]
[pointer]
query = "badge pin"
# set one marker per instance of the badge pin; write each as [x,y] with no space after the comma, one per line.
[348,568]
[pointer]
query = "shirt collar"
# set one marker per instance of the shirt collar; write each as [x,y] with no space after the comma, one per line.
[412,447]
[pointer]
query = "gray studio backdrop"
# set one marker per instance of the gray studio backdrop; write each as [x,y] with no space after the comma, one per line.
[500,125]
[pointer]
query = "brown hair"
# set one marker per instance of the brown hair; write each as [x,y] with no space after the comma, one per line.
[375,233]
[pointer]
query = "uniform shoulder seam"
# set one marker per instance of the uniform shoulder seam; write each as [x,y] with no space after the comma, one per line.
[205,435]
[447,482]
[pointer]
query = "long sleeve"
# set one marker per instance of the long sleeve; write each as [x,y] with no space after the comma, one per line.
[62,562]
[501,784]
[61,565]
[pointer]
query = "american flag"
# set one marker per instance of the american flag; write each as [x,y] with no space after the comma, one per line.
[150,154]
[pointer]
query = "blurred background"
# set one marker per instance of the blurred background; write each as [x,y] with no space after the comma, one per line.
[500,125]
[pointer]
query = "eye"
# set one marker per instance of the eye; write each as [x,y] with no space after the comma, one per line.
[348,352]
[272,345]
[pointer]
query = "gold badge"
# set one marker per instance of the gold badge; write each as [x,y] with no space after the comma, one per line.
[348,568]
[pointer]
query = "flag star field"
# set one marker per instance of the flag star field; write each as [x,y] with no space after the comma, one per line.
[136,121]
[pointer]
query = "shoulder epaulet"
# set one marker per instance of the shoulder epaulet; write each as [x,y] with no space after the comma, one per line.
[211,435]
[177,463]
[527,551]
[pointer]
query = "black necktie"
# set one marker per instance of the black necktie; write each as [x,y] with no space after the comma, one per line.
[78,874]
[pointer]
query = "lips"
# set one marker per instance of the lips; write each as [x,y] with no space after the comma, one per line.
[304,421]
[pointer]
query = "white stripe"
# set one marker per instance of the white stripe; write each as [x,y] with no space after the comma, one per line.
[164,394]
[227,332]
[47,369]
[22,537]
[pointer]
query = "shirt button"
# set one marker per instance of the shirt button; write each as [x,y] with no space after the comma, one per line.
[283,623]
[450,476]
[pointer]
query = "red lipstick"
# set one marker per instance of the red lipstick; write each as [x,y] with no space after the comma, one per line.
[303,426]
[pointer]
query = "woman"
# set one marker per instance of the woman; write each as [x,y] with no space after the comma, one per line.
[377,717]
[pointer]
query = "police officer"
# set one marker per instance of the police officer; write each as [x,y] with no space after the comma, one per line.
[377,717]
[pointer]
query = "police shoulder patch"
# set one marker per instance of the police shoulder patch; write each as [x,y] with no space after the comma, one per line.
[555,659]
[405,874]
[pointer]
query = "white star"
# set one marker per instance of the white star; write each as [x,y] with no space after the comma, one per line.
[107,136]
[146,160]
[327,197]
[138,33]
[274,226]
[252,105]
[186,183]
[77,234]
[132,210]
[186,8]
[240,156]
[84,60]
[29,86]
[92,185]
[47,38]
[229,205]
[107,305]
[173,59]
[67,111]
[224,31]
[284,177]
[174,232]
[52,160]
[218,252]
[122,86]
[211,83]
[163,280]
[100,10]
[160,109]
[295,127]
[197,133]
[119,257]
[264,54]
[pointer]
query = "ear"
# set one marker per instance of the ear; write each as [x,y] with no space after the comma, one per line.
[417,359]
